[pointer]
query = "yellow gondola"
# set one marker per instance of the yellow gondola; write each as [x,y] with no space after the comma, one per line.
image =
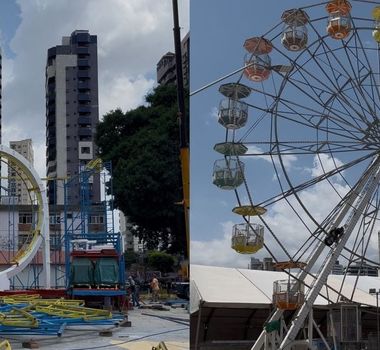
[247,238]
[376,17]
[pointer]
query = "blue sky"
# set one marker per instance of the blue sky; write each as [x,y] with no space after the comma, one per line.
[218,31]
[9,21]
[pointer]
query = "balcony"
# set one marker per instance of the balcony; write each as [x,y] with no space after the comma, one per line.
[83,73]
[52,141]
[82,37]
[84,120]
[84,132]
[83,63]
[84,85]
[84,109]
[82,51]
[84,97]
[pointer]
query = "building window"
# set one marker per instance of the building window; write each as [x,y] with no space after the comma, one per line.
[85,150]
[54,219]
[25,218]
[95,219]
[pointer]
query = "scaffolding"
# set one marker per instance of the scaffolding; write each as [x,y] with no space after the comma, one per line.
[90,231]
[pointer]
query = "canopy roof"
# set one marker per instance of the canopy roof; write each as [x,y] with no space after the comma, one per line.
[222,287]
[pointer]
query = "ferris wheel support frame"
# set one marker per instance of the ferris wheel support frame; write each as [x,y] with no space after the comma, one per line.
[40,233]
[366,184]
[370,185]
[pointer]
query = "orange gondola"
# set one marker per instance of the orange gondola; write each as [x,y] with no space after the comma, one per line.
[339,24]
[257,61]
[288,294]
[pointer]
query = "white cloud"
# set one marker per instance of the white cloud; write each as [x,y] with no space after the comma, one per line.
[287,160]
[324,163]
[124,93]
[132,37]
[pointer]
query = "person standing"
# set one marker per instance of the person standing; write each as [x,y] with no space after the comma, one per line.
[134,291]
[155,286]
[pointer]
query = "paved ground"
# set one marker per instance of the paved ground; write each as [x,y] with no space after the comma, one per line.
[149,327]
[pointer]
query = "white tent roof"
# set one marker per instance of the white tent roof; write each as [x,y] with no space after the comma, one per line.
[241,288]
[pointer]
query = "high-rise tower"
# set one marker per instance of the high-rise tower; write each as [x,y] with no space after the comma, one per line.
[71,114]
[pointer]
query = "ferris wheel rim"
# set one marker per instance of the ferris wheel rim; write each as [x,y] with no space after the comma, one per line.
[40,232]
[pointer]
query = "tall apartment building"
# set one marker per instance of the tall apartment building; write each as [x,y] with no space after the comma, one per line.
[17,185]
[166,66]
[71,115]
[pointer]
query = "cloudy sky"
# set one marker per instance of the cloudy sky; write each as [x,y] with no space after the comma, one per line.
[132,37]
[219,29]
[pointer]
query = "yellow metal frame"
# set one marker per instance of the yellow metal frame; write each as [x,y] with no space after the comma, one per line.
[4,345]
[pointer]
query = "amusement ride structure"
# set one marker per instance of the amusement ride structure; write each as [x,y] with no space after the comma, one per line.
[65,249]
[38,234]
[312,86]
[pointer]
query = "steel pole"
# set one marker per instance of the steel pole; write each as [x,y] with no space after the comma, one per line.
[377,319]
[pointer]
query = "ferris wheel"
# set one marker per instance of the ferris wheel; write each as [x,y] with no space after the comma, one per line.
[307,101]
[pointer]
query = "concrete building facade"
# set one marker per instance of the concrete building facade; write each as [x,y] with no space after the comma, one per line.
[72,114]
[17,186]
[166,66]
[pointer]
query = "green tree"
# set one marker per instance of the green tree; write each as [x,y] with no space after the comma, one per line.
[143,146]
[161,261]
[130,257]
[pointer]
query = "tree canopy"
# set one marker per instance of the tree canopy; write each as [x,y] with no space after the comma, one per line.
[161,261]
[143,146]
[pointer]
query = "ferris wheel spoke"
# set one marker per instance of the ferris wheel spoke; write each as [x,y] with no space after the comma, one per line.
[330,54]
[321,121]
[361,73]
[307,111]
[307,184]
[365,50]
[344,101]
[264,148]
[322,87]
[335,113]
[352,103]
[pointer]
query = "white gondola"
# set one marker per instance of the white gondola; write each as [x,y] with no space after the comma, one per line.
[233,114]
[228,173]
[294,36]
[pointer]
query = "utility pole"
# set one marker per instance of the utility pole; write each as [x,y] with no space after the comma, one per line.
[183,122]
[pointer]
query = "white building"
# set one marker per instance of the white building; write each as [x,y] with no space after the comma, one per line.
[18,184]
[132,243]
